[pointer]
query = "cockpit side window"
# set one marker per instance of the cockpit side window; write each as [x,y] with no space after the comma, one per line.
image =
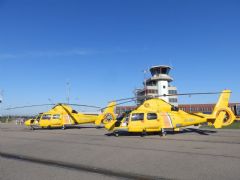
[56,116]
[46,116]
[137,117]
[152,116]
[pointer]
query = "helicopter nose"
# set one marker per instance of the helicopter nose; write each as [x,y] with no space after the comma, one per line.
[27,123]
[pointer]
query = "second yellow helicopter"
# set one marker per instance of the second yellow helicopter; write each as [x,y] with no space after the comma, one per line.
[62,116]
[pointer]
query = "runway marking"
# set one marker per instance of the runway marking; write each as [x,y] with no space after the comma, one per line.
[79,167]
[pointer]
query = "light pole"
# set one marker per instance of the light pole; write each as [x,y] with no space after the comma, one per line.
[68,91]
[1,100]
[145,82]
[1,96]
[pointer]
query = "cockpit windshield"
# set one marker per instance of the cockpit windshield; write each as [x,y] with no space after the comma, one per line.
[38,117]
[124,115]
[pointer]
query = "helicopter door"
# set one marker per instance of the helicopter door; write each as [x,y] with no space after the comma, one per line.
[66,119]
[152,122]
[137,122]
[56,120]
[166,120]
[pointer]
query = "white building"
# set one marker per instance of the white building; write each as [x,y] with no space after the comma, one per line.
[158,85]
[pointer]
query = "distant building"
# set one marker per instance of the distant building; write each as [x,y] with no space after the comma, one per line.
[207,108]
[158,86]
[190,108]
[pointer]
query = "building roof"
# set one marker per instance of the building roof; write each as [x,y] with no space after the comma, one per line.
[160,66]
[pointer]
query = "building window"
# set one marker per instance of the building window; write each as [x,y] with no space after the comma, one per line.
[172,100]
[172,92]
[238,109]
[164,70]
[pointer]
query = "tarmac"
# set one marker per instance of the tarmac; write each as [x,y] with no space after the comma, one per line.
[89,153]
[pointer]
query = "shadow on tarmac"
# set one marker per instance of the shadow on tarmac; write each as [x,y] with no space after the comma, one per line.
[66,128]
[183,131]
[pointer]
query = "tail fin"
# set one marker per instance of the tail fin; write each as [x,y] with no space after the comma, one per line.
[107,115]
[222,114]
[110,108]
[222,101]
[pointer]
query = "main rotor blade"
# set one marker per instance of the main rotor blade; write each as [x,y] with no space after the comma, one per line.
[166,95]
[37,105]
[83,105]
[125,102]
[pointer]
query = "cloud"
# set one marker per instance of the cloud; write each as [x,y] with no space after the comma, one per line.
[7,56]
[70,52]
[73,52]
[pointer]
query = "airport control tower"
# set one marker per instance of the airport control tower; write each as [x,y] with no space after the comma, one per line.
[158,85]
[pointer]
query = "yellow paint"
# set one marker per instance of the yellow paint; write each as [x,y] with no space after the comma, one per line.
[156,114]
[63,115]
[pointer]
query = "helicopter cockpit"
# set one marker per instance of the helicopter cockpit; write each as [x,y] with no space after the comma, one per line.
[123,119]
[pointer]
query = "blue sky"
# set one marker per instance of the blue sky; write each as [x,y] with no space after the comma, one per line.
[102,47]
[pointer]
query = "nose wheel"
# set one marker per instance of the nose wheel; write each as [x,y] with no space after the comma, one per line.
[163,132]
[116,133]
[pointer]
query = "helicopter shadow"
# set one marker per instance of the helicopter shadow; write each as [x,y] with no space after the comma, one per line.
[66,128]
[203,132]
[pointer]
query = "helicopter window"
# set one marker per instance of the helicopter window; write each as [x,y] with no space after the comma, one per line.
[127,118]
[47,116]
[38,118]
[137,116]
[152,116]
[120,117]
[56,116]
[74,111]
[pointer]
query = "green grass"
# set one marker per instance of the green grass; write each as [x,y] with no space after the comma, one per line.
[235,125]
[5,119]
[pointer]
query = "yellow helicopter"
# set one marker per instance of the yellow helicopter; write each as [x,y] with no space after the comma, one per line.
[62,116]
[156,115]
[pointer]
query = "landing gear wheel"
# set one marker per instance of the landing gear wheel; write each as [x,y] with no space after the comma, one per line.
[32,128]
[144,133]
[163,133]
[116,134]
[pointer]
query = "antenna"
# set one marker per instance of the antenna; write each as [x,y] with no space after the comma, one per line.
[50,100]
[1,99]
[145,71]
[68,92]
